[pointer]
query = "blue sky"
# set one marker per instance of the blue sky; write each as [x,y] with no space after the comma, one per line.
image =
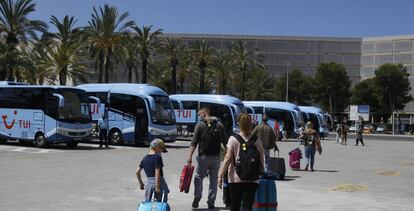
[342,18]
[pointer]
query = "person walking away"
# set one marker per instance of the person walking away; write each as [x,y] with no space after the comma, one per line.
[310,137]
[338,133]
[209,137]
[344,134]
[359,136]
[242,189]
[103,131]
[265,133]
[277,130]
[152,164]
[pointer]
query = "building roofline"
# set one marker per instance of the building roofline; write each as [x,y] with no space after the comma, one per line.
[260,37]
[389,38]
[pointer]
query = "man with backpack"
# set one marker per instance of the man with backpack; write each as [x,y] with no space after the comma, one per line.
[209,137]
[268,137]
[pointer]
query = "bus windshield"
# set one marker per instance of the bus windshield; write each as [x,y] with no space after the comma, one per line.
[163,113]
[75,108]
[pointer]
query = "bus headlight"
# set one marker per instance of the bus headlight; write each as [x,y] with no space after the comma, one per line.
[154,132]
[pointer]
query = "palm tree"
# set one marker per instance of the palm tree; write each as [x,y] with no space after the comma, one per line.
[66,61]
[67,33]
[245,58]
[183,73]
[202,54]
[17,27]
[65,49]
[173,50]
[259,85]
[146,42]
[105,34]
[222,67]
[130,57]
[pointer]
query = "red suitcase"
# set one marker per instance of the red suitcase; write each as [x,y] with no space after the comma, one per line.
[294,159]
[185,179]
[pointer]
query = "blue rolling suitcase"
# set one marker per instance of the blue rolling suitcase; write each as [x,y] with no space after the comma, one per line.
[153,205]
[266,196]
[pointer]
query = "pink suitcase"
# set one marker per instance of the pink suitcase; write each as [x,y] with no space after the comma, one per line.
[294,159]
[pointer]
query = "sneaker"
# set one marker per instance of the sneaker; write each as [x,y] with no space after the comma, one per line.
[195,202]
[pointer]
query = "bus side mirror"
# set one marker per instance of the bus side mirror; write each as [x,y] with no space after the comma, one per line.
[61,99]
[98,101]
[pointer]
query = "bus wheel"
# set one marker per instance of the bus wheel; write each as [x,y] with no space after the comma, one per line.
[41,141]
[115,137]
[3,141]
[72,144]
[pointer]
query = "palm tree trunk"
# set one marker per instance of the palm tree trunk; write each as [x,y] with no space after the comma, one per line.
[129,74]
[62,76]
[182,87]
[107,66]
[202,77]
[10,74]
[174,78]
[101,62]
[144,70]
[242,87]
[223,86]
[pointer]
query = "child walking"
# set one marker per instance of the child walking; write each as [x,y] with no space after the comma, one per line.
[152,165]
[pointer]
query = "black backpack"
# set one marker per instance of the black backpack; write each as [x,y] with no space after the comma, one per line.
[210,140]
[248,165]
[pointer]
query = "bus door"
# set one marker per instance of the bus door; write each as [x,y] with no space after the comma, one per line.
[51,117]
[141,121]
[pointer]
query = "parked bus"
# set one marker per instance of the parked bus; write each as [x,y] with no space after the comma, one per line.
[226,108]
[137,113]
[288,115]
[317,117]
[44,115]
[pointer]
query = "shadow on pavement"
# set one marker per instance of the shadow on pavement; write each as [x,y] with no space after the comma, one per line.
[328,171]
[55,146]
[216,208]
[176,147]
[289,178]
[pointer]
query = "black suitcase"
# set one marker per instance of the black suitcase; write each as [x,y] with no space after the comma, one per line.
[277,165]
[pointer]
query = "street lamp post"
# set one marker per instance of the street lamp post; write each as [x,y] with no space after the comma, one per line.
[287,81]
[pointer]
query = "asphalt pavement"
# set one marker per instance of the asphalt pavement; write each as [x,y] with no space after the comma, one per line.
[378,176]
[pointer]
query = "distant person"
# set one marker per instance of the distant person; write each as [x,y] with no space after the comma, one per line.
[265,133]
[152,164]
[103,131]
[277,130]
[242,190]
[210,137]
[310,137]
[338,133]
[344,134]
[359,137]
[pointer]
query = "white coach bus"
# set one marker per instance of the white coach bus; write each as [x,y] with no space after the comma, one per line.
[44,114]
[137,113]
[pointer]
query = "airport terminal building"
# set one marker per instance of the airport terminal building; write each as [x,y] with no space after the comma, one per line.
[360,56]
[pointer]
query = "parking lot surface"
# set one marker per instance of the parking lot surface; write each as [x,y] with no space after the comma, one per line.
[378,176]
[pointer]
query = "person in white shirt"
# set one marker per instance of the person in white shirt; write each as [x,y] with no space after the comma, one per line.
[103,131]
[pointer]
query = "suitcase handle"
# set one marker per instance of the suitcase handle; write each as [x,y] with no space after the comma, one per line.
[274,153]
[153,196]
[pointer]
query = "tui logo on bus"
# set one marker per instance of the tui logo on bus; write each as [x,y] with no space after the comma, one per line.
[22,123]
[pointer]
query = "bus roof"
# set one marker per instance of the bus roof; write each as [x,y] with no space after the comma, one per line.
[208,97]
[12,83]
[124,88]
[37,86]
[273,104]
[311,109]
